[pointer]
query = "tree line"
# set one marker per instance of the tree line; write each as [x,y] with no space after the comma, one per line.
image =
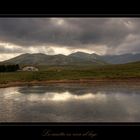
[9,68]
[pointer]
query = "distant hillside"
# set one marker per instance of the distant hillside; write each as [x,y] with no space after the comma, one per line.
[111,59]
[120,59]
[90,58]
[78,58]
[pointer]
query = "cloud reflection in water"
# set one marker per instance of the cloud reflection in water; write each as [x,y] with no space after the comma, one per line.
[70,103]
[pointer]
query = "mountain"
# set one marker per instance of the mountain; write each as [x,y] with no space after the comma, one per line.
[78,58]
[120,59]
[84,55]
[111,59]
[92,58]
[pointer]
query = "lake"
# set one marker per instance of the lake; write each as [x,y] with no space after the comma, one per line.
[71,103]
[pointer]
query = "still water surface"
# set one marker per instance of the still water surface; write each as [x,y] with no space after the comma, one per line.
[71,103]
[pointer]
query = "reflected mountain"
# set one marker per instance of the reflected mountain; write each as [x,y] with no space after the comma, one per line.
[80,89]
[32,89]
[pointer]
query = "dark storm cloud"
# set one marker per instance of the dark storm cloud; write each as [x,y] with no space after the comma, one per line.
[26,32]
[70,32]
[101,30]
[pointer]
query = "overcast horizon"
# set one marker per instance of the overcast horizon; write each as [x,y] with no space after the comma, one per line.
[68,35]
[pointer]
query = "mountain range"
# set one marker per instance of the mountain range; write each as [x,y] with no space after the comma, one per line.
[121,59]
[78,58]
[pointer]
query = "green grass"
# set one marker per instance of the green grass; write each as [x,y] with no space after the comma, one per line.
[131,70]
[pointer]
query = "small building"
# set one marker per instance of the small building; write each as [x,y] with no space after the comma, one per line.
[29,68]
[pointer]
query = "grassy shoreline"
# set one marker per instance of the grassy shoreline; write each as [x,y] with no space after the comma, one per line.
[73,74]
[92,81]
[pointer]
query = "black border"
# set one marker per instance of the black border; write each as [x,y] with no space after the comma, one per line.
[70,15]
[95,130]
[108,130]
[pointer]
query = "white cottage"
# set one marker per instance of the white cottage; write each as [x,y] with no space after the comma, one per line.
[29,68]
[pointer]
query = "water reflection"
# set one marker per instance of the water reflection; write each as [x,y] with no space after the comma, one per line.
[80,89]
[71,103]
[66,96]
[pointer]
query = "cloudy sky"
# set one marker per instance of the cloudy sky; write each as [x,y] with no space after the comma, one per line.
[68,35]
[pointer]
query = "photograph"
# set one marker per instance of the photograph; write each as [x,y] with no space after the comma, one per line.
[69,70]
